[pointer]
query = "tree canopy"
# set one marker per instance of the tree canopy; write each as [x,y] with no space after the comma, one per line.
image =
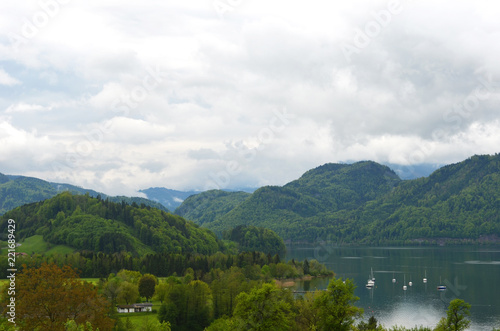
[49,296]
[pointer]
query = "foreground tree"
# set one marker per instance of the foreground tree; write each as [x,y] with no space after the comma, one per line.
[49,296]
[265,308]
[336,310]
[456,317]
[371,325]
[307,316]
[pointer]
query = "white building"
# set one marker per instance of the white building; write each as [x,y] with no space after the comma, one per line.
[135,308]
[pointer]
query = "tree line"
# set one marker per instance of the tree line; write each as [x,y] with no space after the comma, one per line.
[99,265]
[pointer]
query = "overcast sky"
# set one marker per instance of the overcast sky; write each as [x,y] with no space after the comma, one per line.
[119,95]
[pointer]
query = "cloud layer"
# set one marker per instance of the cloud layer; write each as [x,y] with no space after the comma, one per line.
[119,96]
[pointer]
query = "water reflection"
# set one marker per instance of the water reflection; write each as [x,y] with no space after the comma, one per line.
[468,273]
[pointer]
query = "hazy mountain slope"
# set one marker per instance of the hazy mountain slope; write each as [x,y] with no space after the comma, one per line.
[167,197]
[22,190]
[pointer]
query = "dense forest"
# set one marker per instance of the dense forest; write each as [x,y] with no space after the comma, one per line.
[205,207]
[366,202]
[98,264]
[254,239]
[100,225]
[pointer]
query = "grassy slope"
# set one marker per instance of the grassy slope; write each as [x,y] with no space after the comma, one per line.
[36,244]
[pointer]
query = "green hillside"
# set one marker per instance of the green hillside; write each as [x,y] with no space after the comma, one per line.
[36,244]
[21,190]
[366,202]
[325,189]
[209,205]
[85,223]
[254,239]
[16,191]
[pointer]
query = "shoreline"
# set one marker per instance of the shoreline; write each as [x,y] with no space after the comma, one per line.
[290,282]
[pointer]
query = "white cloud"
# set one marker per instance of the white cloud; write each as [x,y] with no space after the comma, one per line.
[222,79]
[6,79]
[24,108]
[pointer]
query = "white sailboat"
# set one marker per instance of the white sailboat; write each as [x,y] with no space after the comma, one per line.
[425,277]
[441,287]
[393,279]
[404,284]
[371,280]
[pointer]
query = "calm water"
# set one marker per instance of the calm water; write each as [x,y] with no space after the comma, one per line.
[470,273]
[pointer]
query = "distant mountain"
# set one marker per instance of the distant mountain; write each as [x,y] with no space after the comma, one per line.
[19,190]
[172,199]
[414,171]
[94,224]
[366,202]
[167,197]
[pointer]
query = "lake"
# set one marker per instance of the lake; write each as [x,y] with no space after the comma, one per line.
[471,273]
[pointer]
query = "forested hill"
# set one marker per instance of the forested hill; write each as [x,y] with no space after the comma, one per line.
[366,202]
[16,191]
[87,223]
[205,207]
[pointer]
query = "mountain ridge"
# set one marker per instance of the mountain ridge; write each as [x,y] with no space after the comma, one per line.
[366,202]
[17,190]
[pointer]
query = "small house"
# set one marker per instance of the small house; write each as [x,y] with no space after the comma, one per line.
[135,308]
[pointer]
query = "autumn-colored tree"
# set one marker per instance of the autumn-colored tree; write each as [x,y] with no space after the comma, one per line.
[147,285]
[48,296]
